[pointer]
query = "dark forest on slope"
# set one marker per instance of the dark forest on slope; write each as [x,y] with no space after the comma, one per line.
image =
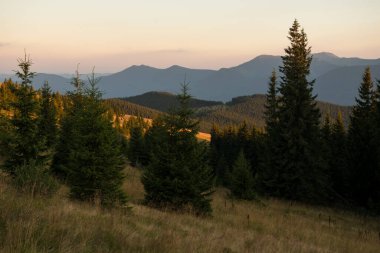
[249,109]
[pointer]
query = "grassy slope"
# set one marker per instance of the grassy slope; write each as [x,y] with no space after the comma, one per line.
[60,225]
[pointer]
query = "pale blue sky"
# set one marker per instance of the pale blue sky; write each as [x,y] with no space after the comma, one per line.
[115,34]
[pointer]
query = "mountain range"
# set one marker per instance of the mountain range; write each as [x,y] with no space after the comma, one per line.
[337,79]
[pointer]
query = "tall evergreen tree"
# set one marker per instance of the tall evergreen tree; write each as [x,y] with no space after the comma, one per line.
[266,179]
[73,106]
[300,172]
[362,149]
[25,145]
[178,175]
[94,162]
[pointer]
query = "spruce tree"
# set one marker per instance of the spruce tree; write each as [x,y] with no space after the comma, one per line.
[241,179]
[178,176]
[214,152]
[338,163]
[136,147]
[93,161]
[47,122]
[300,169]
[255,150]
[266,179]
[361,144]
[326,128]
[377,144]
[326,150]
[271,106]
[73,105]
[25,145]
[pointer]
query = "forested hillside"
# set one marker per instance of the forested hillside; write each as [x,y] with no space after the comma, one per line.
[122,107]
[164,101]
[249,109]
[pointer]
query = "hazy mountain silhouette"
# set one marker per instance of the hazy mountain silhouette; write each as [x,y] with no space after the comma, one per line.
[341,85]
[140,79]
[337,79]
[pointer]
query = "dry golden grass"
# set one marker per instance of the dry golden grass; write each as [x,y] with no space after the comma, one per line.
[126,117]
[60,225]
[204,136]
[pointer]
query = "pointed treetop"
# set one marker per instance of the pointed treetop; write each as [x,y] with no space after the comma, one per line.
[24,72]
[366,91]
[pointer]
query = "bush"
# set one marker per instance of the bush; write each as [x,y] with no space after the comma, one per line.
[35,179]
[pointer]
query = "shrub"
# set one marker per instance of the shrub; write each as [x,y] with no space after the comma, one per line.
[34,179]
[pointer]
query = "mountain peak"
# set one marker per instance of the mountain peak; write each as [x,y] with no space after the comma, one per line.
[141,67]
[175,67]
[325,55]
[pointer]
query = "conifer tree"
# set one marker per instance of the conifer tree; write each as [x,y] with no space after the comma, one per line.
[339,169]
[255,150]
[136,147]
[266,178]
[214,152]
[361,143]
[94,162]
[326,149]
[241,179]
[230,145]
[326,128]
[271,106]
[377,144]
[300,169]
[47,122]
[178,175]
[73,106]
[25,145]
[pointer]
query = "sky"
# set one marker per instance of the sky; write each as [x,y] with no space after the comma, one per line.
[115,34]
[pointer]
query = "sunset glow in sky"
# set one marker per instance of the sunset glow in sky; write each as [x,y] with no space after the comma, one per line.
[116,34]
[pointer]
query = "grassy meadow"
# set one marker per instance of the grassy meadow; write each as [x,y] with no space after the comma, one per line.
[61,225]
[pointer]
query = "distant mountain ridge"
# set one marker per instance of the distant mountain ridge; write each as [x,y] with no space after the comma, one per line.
[337,79]
[164,101]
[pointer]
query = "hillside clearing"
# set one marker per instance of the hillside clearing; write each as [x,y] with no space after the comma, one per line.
[60,225]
